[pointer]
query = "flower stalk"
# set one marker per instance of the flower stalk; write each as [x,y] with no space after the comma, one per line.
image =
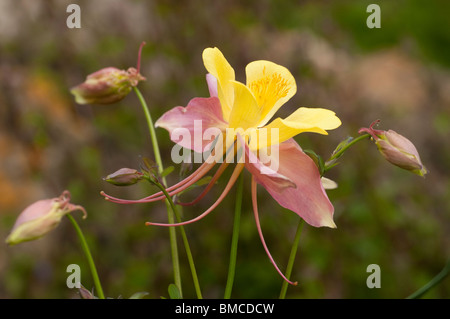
[87,252]
[432,283]
[234,238]
[185,240]
[170,213]
[340,150]
[291,260]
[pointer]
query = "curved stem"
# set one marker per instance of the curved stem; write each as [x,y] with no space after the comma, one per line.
[234,238]
[433,282]
[291,260]
[151,129]
[329,163]
[87,252]
[170,213]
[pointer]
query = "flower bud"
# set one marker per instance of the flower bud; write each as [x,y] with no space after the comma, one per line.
[108,85]
[41,217]
[124,177]
[397,150]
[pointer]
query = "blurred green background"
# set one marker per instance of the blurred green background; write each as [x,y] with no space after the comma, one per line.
[386,216]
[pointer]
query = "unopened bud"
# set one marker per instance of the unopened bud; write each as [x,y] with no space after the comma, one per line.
[41,217]
[108,85]
[397,150]
[124,177]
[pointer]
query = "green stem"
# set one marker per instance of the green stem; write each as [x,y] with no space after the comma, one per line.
[87,252]
[330,162]
[291,260]
[185,241]
[151,129]
[170,213]
[433,282]
[235,238]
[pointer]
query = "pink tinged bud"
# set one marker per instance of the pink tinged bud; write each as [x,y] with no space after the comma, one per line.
[41,217]
[399,151]
[124,177]
[108,85]
[396,149]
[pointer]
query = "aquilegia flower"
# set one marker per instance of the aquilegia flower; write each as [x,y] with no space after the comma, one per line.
[238,114]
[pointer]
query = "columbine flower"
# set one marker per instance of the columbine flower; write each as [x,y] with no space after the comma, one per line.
[241,113]
[108,85]
[41,217]
[397,149]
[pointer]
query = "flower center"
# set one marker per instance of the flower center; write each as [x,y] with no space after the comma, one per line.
[269,89]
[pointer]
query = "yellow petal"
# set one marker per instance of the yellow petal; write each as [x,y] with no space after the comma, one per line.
[218,66]
[316,120]
[271,84]
[245,112]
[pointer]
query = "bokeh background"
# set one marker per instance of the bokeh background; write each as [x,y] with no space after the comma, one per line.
[386,216]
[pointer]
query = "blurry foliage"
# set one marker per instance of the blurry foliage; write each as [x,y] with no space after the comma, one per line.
[386,216]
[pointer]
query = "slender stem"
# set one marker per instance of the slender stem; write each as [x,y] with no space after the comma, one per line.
[234,238]
[185,241]
[343,149]
[170,213]
[291,260]
[151,129]
[433,282]
[87,252]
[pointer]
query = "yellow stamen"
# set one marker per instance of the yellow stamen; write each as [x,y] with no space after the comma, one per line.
[269,89]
